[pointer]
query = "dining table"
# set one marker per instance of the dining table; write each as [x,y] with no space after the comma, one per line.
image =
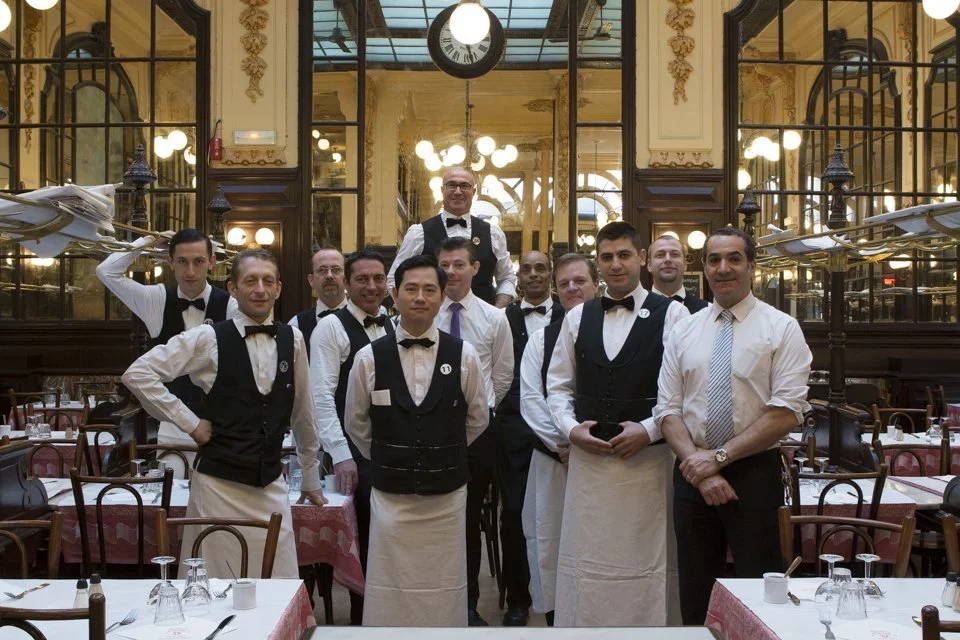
[46,462]
[73,409]
[509,633]
[924,448]
[282,611]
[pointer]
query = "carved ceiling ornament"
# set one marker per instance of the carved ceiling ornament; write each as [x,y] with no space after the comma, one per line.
[32,28]
[540,105]
[680,18]
[680,159]
[254,19]
[903,12]
[254,156]
[762,78]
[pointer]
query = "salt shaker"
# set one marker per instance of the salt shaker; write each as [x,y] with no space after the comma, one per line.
[82,599]
[96,587]
[898,436]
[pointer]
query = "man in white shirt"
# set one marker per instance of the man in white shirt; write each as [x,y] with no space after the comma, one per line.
[577,281]
[464,315]
[733,383]
[335,344]
[327,281]
[415,401]
[668,261]
[255,382]
[615,542]
[455,221]
[168,311]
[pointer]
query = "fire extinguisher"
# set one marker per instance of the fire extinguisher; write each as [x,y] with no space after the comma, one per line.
[216,144]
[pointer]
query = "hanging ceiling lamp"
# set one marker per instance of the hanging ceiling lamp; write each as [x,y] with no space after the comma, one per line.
[940,9]
[5,15]
[469,22]
[42,5]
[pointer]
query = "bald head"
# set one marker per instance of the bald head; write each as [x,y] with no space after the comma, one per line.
[667,262]
[326,276]
[534,277]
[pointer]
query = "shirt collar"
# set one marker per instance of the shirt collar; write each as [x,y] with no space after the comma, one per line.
[546,304]
[446,214]
[682,293]
[323,307]
[465,302]
[242,320]
[432,333]
[205,296]
[640,294]
[740,310]
[359,313]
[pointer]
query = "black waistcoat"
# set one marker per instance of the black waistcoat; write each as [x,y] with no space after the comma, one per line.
[248,427]
[626,387]
[419,449]
[434,234]
[216,311]
[551,334]
[518,327]
[358,340]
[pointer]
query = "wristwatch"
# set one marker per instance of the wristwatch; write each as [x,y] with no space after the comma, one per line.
[721,456]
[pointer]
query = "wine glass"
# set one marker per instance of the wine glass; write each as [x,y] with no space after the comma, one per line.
[828,591]
[870,588]
[196,596]
[163,561]
[822,462]
[136,466]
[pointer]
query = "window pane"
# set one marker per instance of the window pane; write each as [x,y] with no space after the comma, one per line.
[131,17]
[130,92]
[174,211]
[173,158]
[84,291]
[335,220]
[334,96]
[599,149]
[335,165]
[40,292]
[172,39]
[176,92]
[600,95]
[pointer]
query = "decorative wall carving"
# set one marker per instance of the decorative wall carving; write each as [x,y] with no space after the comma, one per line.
[562,169]
[254,156]
[903,12]
[680,18]
[763,80]
[32,27]
[681,159]
[540,105]
[254,19]
[369,141]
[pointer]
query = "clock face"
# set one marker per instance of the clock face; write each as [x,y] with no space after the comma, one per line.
[464,60]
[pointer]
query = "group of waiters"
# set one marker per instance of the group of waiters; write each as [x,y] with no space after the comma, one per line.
[618,429]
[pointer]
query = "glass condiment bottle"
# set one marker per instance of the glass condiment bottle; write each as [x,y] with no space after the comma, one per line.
[82,599]
[95,586]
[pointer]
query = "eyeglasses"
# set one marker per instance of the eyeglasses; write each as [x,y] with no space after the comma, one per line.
[334,271]
[453,186]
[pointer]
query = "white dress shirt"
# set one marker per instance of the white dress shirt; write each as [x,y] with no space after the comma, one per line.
[771,366]
[195,353]
[330,347]
[488,330]
[682,292]
[535,321]
[294,322]
[503,273]
[617,324]
[146,301]
[533,403]
[418,364]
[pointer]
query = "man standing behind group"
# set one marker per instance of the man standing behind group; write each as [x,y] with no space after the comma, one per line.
[667,264]
[336,341]
[326,279]
[602,382]
[515,440]
[464,315]
[455,221]
[415,401]
[577,281]
[168,311]
[733,382]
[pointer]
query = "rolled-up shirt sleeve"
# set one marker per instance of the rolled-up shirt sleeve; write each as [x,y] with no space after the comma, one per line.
[356,415]
[504,274]
[791,372]
[670,383]
[301,418]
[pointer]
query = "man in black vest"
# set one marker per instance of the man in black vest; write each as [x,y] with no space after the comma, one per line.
[414,402]
[515,440]
[327,281]
[336,341]
[667,264]
[255,381]
[168,311]
[455,221]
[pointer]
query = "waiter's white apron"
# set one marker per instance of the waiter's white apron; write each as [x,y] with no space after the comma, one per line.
[417,560]
[542,517]
[617,540]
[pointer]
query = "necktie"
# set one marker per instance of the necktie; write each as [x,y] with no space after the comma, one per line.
[269,329]
[542,310]
[609,303]
[377,320]
[406,343]
[452,222]
[455,319]
[183,304]
[719,426]
[677,298]
[326,312]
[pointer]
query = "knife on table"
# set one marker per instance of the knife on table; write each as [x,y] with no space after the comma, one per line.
[220,627]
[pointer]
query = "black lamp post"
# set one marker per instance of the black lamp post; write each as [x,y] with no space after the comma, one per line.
[748,208]
[837,174]
[135,180]
[219,206]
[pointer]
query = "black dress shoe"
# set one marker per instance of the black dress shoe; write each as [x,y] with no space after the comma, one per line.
[474,619]
[516,617]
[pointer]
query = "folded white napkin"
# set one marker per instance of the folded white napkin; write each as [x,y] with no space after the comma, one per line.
[871,629]
[190,629]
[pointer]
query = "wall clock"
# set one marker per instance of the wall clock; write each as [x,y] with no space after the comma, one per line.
[463,60]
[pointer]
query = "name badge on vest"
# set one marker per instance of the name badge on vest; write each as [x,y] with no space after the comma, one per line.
[207,321]
[284,366]
[445,369]
[644,313]
[476,241]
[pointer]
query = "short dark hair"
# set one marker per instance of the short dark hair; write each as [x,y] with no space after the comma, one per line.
[419,262]
[543,253]
[750,245]
[667,236]
[618,230]
[251,254]
[570,258]
[187,236]
[457,243]
[362,254]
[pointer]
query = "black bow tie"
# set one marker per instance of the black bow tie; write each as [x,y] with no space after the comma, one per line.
[183,304]
[406,343]
[326,312]
[677,298]
[380,321]
[452,222]
[269,329]
[542,310]
[609,303]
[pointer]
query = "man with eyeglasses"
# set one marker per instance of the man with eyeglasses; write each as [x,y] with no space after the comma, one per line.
[455,221]
[326,279]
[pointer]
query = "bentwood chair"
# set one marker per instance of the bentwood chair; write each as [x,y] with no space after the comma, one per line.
[895,455]
[228,525]
[23,618]
[172,454]
[92,451]
[50,444]
[931,627]
[911,420]
[952,543]
[21,405]
[54,526]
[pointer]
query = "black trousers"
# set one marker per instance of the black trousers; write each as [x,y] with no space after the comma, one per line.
[481,461]
[361,502]
[514,449]
[748,526]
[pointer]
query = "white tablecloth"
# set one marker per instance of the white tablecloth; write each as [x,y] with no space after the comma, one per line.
[507,633]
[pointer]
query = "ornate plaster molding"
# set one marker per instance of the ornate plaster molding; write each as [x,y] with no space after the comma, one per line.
[761,80]
[561,192]
[258,156]
[32,28]
[903,18]
[254,19]
[680,159]
[369,156]
[680,18]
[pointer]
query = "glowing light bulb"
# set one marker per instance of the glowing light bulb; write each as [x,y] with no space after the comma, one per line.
[177,139]
[696,239]
[424,149]
[323,144]
[479,164]
[499,158]
[336,157]
[469,22]
[5,15]
[435,183]
[899,264]
[433,163]
[457,154]
[161,147]
[264,236]
[486,145]
[42,5]
[315,134]
[236,236]
[189,156]
[791,140]
[940,9]
[512,153]
[744,179]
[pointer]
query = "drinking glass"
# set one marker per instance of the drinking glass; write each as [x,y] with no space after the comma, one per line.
[295,482]
[852,604]
[30,428]
[169,609]
[43,431]
[196,596]
[800,458]
[136,469]
[829,590]
[163,561]
[822,462]
[870,588]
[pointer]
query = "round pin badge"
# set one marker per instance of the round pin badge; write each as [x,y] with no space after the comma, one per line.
[445,369]
[284,366]
[476,241]
[207,321]
[644,313]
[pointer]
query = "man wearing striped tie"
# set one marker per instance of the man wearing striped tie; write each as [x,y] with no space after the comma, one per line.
[732,383]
